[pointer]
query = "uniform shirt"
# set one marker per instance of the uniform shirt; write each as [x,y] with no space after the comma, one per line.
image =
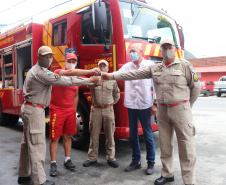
[138,92]
[61,96]
[106,93]
[173,84]
[38,84]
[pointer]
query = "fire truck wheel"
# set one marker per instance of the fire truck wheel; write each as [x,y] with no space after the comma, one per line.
[207,93]
[218,94]
[8,119]
[81,138]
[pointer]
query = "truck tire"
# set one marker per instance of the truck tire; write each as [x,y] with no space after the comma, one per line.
[218,94]
[81,139]
[8,119]
[207,93]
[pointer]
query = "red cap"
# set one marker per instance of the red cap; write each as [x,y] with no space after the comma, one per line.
[71,55]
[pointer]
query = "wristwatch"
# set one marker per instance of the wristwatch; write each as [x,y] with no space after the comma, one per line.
[155,104]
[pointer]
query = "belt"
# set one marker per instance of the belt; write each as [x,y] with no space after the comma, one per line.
[173,105]
[33,105]
[102,106]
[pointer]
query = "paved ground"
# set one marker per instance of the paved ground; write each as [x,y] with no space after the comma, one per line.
[210,119]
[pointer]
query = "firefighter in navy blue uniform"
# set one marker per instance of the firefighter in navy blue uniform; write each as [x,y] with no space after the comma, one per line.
[177,88]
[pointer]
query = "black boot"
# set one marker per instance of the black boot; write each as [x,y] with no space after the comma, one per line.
[48,183]
[162,180]
[22,180]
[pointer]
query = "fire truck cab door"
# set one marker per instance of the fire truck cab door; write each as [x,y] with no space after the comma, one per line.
[96,44]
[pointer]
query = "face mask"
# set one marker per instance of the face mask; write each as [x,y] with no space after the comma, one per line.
[70,65]
[104,69]
[167,54]
[45,62]
[134,56]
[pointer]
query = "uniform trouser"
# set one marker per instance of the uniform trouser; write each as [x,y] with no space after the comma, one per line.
[136,115]
[178,118]
[33,145]
[102,117]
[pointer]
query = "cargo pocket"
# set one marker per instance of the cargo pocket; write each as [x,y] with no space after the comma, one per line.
[37,137]
[192,128]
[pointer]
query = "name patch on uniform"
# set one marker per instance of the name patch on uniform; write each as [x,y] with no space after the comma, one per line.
[49,72]
[157,70]
[57,76]
[196,78]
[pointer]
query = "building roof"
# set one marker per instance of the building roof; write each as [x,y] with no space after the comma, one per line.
[213,61]
[210,69]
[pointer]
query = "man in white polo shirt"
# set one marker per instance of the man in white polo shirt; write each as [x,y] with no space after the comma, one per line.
[139,101]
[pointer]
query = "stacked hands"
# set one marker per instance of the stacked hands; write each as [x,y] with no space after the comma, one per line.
[99,76]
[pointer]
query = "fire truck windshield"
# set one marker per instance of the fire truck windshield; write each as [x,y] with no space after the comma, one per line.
[142,23]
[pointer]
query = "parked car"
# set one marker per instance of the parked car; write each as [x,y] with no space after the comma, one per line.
[207,88]
[220,86]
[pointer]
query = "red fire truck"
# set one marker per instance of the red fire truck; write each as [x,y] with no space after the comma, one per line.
[98,30]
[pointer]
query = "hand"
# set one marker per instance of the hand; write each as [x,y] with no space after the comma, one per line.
[153,110]
[107,76]
[96,80]
[95,70]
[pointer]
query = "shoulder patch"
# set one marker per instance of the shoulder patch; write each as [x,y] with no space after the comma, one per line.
[195,76]
[191,68]
[57,76]
[49,72]
[118,90]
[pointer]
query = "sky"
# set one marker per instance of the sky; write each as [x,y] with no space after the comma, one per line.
[203,21]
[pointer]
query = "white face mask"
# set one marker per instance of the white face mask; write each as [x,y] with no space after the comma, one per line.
[168,54]
[104,69]
[45,62]
[70,65]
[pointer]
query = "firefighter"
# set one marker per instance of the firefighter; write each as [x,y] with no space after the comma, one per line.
[63,106]
[37,93]
[102,115]
[177,88]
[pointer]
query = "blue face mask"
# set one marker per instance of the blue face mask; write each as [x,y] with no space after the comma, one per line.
[134,56]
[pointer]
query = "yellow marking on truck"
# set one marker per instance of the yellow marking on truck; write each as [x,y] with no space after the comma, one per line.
[127,45]
[17,30]
[156,53]
[176,54]
[148,49]
[114,57]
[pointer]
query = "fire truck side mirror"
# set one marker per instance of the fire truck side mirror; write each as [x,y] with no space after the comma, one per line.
[181,34]
[99,16]
[78,64]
